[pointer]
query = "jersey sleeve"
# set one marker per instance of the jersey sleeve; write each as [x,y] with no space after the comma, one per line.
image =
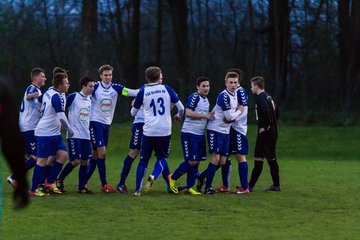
[192,101]
[57,103]
[120,89]
[223,101]
[173,96]
[139,98]
[31,89]
[242,96]
[96,86]
[69,99]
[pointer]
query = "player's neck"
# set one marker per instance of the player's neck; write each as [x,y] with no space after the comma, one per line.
[260,91]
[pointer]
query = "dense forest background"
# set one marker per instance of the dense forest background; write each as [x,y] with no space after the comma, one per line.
[308,51]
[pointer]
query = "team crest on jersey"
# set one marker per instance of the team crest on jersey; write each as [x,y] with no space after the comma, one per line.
[83,114]
[105,105]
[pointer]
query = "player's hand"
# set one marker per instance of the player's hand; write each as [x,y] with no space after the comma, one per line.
[71,132]
[132,102]
[35,95]
[227,121]
[177,119]
[21,196]
[241,108]
[261,130]
[210,116]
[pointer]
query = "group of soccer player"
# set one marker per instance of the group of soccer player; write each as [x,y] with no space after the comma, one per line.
[90,114]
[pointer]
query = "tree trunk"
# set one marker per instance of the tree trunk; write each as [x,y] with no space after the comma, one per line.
[349,38]
[278,46]
[159,32]
[89,26]
[179,13]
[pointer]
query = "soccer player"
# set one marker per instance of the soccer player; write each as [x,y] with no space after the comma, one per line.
[48,136]
[218,130]
[193,136]
[156,100]
[79,105]
[103,103]
[238,144]
[13,146]
[266,135]
[29,117]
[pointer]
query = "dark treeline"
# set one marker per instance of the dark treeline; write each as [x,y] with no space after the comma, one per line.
[308,51]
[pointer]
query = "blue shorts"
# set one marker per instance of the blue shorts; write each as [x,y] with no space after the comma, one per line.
[99,134]
[137,133]
[79,149]
[160,145]
[30,142]
[238,143]
[48,146]
[194,147]
[218,143]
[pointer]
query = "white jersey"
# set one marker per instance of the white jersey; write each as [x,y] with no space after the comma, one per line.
[224,102]
[198,104]
[103,101]
[139,118]
[79,106]
[30,110]
[240,125]
[49,124]
[156,100]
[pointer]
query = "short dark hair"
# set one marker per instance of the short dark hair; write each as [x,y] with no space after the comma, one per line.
[58,79]
[35,72]
[105,67]
[59,70]
[201,79]
[85,80]
[258,81]
[153,73]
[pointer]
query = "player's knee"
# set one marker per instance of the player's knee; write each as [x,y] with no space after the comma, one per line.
[133,153]
[75,162]
[193,163]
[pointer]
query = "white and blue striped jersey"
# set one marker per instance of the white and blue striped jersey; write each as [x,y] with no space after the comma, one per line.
[139,118]
[49,124]
[156,100]
[224,102]
[30,110]
[103,101]
[79,106]
[240,125]
[198,104]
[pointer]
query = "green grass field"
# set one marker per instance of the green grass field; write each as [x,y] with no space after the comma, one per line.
[320,175]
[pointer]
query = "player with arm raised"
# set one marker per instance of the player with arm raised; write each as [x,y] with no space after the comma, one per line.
[103,103]
[193,136]
[79,145]
[48,136]
[218,130]
[29,117]
[156,100]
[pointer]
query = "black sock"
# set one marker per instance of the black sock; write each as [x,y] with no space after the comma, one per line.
[274,171]
[258,166]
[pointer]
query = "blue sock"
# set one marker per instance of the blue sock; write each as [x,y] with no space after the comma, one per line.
[29,163]
[82,176]
[125,170]
[38,177]
[47,172]
[90,168]
[159,167]
[66,171]
[55,170]
[243,174]
[225,174]
[183,168]
[102,170]
[204,173]
[165,174]
[140,172]
[191,176]
[210,175]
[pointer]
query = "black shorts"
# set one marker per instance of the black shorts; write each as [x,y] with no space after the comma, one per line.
[265,146]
